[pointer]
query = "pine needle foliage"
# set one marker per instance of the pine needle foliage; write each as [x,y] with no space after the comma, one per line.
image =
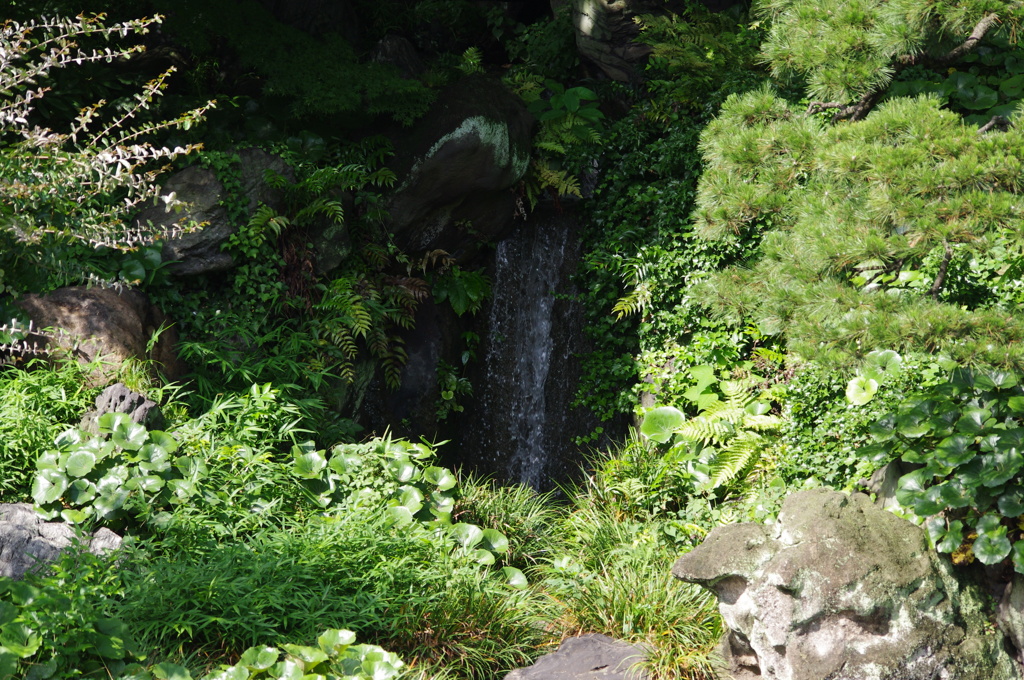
[864,225]
[846,49]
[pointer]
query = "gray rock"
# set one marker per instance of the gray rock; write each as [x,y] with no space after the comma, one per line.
[118,398]
[101,323]
[463,158]
[588,657]
[839,589]
[605,33]
[27,542]
[199,251]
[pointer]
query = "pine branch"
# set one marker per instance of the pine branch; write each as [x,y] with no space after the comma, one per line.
[1001,122]
[941,276]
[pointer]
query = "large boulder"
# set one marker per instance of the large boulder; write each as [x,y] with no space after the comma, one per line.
[458,167]
[198,251]
[588,657]
[27,542]
[839,589]
[105,324]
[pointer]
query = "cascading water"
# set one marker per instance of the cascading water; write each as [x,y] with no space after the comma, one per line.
[522,426]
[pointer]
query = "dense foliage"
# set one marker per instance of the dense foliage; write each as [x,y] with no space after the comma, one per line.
[801,262]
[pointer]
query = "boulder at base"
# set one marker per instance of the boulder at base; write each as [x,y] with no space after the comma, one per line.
[102,323]
[28,542]
[839,589]
[588,657]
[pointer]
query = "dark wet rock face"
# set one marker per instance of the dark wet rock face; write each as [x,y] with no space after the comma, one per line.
[457,167]
[839,589]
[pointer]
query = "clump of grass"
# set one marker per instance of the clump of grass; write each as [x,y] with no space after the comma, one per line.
[37,403]
[613,576]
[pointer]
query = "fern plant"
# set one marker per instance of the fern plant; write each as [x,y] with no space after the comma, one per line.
[568,117]
[723,445]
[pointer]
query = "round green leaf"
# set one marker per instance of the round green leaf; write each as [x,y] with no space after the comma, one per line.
[259,658]
[484,557]
[112,420]
[165,441]
[912,425]
[992,545]
[69,438]
[81,491]
[973,420]
[515,578]
[80,463]
[1000,466]
[345,463]
[410,497]
[953,538]
[48,486]
[20,639]
[403,470]
[310,656]
[440,477]
[399,514]
[861,390]
[494,540]
[1018,557]
[661,423]
[130,437]
[1011,502]
[882,365]
[72,516]
[165,670]
[467,535]
[107,505]
[955,450]
[309,465]
[334,640]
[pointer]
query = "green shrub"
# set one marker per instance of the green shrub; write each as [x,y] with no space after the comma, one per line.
[965,438]
[36,404]
[823,430]
[60,623]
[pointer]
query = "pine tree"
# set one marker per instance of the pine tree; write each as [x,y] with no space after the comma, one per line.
[893,224]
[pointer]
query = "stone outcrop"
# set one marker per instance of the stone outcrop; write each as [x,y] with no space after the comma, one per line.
[588,657]
[105,324]
[28,542]
[199,251]
[463,158]
[605,34]
[839,589]
[118,398]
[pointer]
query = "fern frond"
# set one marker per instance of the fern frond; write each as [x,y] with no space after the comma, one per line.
[734,461]
[706,430]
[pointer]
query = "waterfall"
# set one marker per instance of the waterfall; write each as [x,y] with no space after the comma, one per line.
[522,426]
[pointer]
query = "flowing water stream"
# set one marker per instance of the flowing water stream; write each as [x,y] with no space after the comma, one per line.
[522,425]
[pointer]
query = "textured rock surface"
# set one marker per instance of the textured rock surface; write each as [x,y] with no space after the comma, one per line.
[605,32]
[199,251]
[463,158]
[588,657]
[118,398]
[27,541]
[839,589]
[104,323]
